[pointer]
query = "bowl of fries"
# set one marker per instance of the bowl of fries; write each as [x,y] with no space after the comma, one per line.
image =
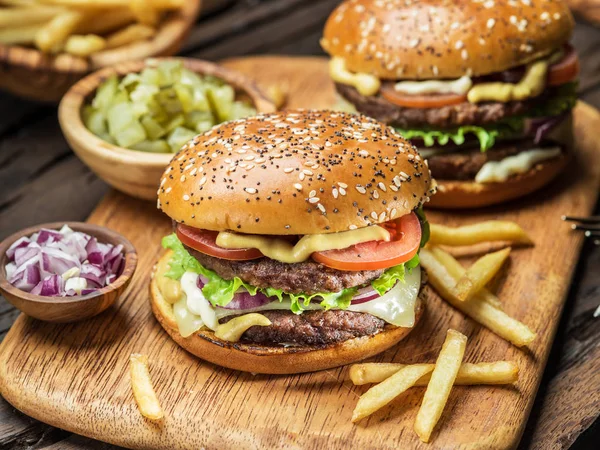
[180,97]
[48,45]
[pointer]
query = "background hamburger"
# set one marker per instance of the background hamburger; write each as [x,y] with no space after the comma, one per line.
[484,88]
[312,221]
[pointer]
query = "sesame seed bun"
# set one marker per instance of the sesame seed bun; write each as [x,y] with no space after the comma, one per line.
[429,39]
[294,172]
[276,360]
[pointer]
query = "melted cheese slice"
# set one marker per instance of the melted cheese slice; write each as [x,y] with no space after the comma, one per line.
[498,171]
[364,83]
[460,86]
[282,250]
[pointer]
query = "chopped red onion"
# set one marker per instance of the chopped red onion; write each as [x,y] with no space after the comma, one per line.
[62,263]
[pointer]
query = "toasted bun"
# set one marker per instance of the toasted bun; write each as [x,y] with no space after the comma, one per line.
[294,172]
[469,194]
[276,360]
[428,39]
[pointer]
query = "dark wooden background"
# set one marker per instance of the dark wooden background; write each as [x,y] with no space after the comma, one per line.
[42,181]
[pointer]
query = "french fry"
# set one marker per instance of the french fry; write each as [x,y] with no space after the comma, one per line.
[132,33]
[19,35]
[144,12]
[19,17]
[57,30]
[457,271]
[498,372]
[141,384]
[84,46]
[493,230]
[96,4]
[480,274]
[479,310]
[386,391]
[442,379]
[105,22]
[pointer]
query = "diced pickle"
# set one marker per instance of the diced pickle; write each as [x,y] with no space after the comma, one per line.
[161,108]
[133,134]
[154,130]
[158,146]
[179,137]
[221,100]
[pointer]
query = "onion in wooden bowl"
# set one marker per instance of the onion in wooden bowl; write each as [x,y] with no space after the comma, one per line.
[136,173]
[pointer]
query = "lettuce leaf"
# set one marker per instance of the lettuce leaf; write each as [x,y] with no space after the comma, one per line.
[220,291]
[563,99]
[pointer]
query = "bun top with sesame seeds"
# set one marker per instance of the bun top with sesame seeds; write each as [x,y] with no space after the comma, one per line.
[294,172]
[437,39]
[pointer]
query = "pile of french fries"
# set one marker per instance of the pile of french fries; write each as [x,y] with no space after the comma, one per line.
[80,27]
[465,289]
[448,370]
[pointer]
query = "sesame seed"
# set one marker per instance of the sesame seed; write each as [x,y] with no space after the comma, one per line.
[288,170]
[374,215]
[381,186]
[335,193]
[491,23]
[313,200]
[182,179]
[375,194]
[361,189]
[321,208]
[298,186]
[250,190]
[352,227]
[312,193]
[342,185]
[342,191]
[186,197]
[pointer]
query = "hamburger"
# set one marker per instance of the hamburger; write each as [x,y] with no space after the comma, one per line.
[295,243]
[483,88]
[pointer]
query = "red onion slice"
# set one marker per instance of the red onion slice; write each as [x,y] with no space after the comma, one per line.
[42,263]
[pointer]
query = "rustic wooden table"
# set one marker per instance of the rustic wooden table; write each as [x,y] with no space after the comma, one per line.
[41,180]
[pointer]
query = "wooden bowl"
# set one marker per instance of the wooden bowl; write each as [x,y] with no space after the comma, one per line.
[68,309]
[28,72]
[134,172]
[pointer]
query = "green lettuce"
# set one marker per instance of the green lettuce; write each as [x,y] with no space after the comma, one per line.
[563,99]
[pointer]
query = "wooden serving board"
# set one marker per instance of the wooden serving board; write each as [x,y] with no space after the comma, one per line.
[76,376]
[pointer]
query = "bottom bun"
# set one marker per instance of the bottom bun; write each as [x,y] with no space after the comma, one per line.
[470,194]
[276,360]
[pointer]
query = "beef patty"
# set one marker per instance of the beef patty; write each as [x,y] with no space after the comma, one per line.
[308,277]
[447,116]
[313,328]
[465,164]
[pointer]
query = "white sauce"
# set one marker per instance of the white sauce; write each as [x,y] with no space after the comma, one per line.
[498,171]
[196,302]
[396,307]
[460,86]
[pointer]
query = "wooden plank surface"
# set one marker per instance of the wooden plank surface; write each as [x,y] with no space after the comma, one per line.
[70,191]
[75,376]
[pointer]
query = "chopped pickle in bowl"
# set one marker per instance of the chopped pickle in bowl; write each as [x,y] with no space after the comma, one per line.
[161,108]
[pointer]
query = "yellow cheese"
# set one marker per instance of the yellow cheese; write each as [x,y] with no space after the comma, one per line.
[232,331]
[187,323]
[531,85]
[281,250]
[498,171]
[459,86]
[364,83]
[196,303]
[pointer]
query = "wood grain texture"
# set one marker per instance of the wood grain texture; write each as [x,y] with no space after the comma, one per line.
[30,73]
[587,9]
[85,388]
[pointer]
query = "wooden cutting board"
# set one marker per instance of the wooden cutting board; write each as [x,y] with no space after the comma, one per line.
[76,376]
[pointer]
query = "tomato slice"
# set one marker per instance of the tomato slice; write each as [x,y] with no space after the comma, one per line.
[564,70]
[420,101]
[205,241]
[404,244]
